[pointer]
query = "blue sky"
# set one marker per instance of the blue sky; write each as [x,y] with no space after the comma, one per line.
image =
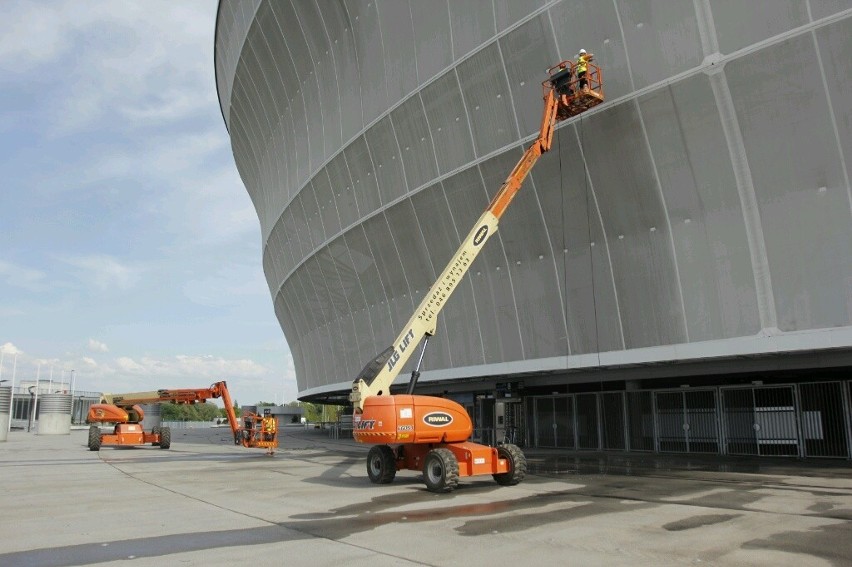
[129,248]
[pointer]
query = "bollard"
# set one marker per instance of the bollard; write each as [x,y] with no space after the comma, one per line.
[5,411]
[54,414]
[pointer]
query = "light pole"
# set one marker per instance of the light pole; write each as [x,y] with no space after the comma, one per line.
[12,393]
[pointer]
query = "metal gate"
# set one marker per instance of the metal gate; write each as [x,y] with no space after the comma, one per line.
[640,420]
[612,420]
[760,421]
[588,436]
[686,421]
[553,421]
[824,426]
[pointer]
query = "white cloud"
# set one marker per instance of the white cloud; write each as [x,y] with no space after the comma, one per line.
[32,34]
[208,366]
[22,277]
[136,60]
[9,348]
[97,346]
[105,272]
[127,364]
[127,374]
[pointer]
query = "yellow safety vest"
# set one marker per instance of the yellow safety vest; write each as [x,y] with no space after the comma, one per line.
[581,64]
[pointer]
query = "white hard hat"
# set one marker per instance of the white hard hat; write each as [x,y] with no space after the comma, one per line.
[582,52]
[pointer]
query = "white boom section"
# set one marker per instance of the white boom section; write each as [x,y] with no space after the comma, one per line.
[377,382]
[424,320]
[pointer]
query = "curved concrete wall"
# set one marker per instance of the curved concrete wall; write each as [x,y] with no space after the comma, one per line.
[705,211]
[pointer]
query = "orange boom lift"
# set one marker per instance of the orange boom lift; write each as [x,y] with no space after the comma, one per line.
[430,434]
[125,412]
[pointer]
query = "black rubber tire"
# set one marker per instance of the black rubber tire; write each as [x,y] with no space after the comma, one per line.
[165,438]
[156,431]
[381,464]
[517,465]
[94,438]
[441,470]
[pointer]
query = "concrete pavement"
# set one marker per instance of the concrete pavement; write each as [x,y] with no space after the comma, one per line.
[208,502]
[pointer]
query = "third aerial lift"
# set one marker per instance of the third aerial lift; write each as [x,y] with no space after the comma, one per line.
[125,412]
[431,434]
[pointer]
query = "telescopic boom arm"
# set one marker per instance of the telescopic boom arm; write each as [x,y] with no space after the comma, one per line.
[177,396]
[376,378]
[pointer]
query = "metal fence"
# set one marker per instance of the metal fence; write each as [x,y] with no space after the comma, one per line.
[26,406]
[803,420]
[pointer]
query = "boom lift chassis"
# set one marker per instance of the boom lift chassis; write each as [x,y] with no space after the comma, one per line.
[125,412]
[431,434]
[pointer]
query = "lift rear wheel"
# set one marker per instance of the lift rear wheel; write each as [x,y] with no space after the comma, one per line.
[94,438]
[517,465]
[156,431]
[441,470]
[165,438]
[381,464]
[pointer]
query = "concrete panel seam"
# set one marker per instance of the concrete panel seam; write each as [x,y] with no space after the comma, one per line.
[509,277]
[416,68]
[635,94]
[345,296]
[399,257]
[421,86]
[553,32]
[333,60]
[450,27]
[243,40]
[316,78]
[332,355]
[591,189]
[832,115]
[364,127]
[469,280]
[384,52]
[626,50]
[662,198]
[563,307]
[290,106]
[431,137]
[399,150]
[304,103]
[269,124]
[706,27]
[445,336]
[354,194]
[748,200]
[466,111]
[364,295]
[258,165]
[511,97]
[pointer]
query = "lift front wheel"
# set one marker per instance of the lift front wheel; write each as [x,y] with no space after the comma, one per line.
[441,470]
[94,438]
[381,464]
[165,438]
[517,465]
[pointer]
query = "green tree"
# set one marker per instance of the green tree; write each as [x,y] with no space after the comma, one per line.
[189,412]
[320,412]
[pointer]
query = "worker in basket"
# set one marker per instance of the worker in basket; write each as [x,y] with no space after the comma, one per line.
[268,428]
[562,79]
[583,59]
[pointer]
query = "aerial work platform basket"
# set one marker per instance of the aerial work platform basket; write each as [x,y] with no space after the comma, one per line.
[575,94]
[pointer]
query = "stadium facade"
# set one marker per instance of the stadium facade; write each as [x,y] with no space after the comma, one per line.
[675,275]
